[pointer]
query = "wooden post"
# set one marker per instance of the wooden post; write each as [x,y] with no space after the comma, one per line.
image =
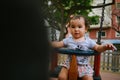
[73,71]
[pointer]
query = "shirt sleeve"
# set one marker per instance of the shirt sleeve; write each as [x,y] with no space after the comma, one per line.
[65,41]
[92,43]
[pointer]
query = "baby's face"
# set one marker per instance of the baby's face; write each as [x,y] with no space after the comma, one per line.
[78,28]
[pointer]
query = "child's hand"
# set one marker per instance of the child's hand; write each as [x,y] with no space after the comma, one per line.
[110,47]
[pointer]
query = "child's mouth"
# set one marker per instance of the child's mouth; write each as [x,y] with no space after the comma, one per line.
[76,33]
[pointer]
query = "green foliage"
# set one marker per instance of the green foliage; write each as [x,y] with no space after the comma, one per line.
[94,20]
[60,10]
[70,7]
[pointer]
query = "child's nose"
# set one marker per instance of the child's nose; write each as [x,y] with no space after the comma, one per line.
[76,28]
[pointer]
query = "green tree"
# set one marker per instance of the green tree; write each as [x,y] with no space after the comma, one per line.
[60,10]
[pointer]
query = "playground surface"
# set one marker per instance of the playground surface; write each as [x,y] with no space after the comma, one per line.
[105,75]
[110,75]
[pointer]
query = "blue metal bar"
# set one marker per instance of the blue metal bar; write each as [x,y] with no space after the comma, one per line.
[76,52]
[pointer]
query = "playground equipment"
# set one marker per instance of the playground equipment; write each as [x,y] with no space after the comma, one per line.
[72,71]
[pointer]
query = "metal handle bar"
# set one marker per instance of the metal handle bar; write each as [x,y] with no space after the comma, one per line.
[76,51]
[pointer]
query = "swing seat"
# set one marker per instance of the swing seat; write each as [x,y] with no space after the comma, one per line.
[73,71]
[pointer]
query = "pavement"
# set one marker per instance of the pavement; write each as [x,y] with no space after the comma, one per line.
[110,75]
[105,75]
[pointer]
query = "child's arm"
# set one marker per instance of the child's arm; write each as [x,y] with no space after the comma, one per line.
[102,48]
[57,44]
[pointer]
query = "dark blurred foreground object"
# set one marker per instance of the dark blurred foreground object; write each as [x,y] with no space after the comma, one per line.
[24,54]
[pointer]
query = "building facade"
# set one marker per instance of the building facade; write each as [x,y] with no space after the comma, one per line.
[108,34]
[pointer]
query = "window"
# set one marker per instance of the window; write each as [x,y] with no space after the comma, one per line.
[118,5]
[117,20]
[103,34]
[117,34]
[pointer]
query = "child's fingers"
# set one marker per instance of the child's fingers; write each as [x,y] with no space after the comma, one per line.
[111,46]
[114,48]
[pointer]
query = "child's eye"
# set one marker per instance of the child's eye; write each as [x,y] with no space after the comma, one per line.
[79,26]
[72,26]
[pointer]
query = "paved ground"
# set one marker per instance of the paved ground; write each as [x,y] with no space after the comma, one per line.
[110,75]
[105,75]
